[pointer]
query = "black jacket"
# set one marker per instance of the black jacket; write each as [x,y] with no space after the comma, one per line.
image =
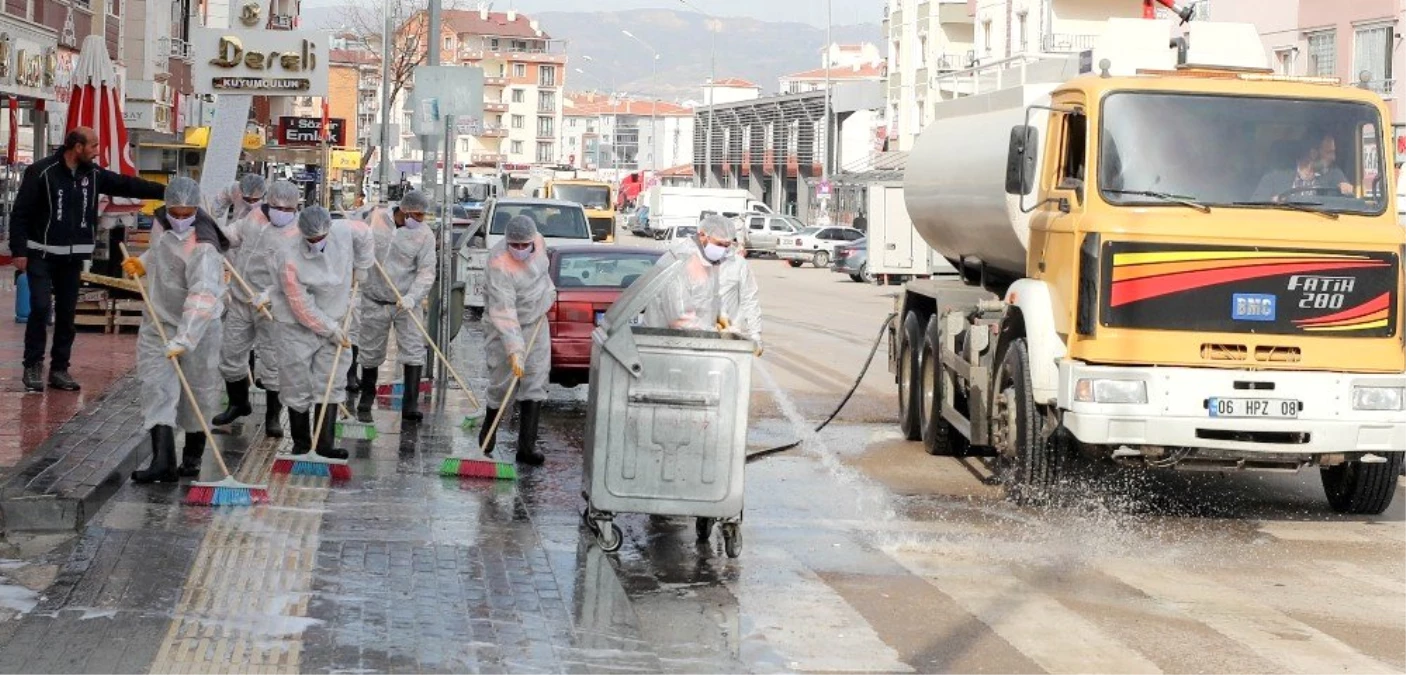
[56,210]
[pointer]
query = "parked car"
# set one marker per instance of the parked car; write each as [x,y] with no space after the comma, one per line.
[639,222]
[853,259]
[815,245]
[588,279]
[763,232]
[559,222]
[681,232]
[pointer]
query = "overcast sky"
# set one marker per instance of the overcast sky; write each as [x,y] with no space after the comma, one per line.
[806,11]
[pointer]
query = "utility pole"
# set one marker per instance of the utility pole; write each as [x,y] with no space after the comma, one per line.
[713,27]
[387,49]
[653,105]
[428,175]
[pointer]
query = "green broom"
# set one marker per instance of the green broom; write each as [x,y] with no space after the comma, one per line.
[352,429]
[483,466]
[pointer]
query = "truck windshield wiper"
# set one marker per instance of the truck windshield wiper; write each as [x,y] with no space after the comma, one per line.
[1184,200]
[1306,207]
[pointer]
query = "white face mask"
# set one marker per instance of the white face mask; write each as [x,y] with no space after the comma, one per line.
[411,223]
[521,254]
[318,247]
[714,253]
[180,225]
[282,218]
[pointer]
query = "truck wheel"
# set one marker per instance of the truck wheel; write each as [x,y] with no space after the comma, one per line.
[1362,489]
[939,436]
[1017,430]
[793,263]
[910,395]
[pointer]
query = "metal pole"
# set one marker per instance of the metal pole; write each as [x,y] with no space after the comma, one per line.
[829,43]
[446,261]
[654,117]
[387,49]
[428,175]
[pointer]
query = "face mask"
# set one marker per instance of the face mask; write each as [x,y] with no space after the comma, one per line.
[281,218]
[714,253]
[318,247]
[411,223]
[180,225]
[521,254]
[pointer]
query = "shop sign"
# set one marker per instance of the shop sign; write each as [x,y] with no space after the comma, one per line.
[308,130]
[27,64]
[270,63]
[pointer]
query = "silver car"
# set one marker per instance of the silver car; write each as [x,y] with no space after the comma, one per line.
[764,232]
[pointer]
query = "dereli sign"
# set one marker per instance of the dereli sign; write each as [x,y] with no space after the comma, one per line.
[308,130]
[269,63]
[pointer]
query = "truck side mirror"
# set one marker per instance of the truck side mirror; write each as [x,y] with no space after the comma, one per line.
[1020,160]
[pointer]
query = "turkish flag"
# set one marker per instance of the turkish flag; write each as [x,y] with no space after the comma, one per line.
[12,154]
[326,124]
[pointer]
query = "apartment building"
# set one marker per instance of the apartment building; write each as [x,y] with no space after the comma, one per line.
[925,38]
[613,134]
[840,63]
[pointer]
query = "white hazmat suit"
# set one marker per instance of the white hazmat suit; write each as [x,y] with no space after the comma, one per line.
[706,291]
[519,295]
[408,256]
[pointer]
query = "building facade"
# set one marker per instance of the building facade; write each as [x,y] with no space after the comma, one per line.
[925,38]
[615,135]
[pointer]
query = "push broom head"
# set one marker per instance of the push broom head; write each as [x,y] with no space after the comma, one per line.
[478,467]
[226,492]
[356,431]
[471,421]
[312,465]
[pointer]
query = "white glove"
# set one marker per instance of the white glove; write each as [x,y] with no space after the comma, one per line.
[262,300]
[337,337]
[175,348]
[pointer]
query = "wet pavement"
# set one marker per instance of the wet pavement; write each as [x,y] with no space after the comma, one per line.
[862,554]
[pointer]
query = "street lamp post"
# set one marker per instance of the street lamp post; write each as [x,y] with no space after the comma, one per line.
[713,28]
[653,103]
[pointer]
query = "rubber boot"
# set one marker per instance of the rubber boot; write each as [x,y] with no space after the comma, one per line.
[301,427]
[489,415]
[410,400]
[528,414]
[163,458]
[273,414]
[328,437]
[353,385]
[191,454]
[367,399]
[238,391]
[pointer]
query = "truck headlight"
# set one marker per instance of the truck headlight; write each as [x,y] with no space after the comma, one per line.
[1376,398]
[1110,391]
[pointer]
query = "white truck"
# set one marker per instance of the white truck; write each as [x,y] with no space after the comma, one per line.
[673,206]
[897,251]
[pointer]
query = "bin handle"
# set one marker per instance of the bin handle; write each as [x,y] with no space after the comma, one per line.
[675,398]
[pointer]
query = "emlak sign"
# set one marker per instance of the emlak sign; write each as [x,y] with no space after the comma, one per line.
[308,131]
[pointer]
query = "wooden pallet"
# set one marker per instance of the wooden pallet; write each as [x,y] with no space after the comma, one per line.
[127,314]
[94,316]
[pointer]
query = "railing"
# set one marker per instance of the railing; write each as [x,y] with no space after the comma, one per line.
[494,131]
[1385,88]
[180,49]
[1067,43]
[495,81]
[1008,72]
[487,157]
[896,21]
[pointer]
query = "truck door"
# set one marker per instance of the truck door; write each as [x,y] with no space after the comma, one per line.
[889,219]
[1054,227]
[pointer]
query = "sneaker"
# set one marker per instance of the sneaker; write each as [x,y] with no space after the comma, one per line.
[34,378]
[60,379]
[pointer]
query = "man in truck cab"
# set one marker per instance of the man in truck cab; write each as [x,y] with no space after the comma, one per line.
[1313,173]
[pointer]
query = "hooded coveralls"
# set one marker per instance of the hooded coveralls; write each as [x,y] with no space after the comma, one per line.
[408,256]
[519,295]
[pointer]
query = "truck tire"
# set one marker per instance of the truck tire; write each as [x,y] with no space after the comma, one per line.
[940,438]
[1033,460]
[910,395]
[1362,489]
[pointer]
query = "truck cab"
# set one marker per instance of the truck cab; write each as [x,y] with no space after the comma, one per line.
[596,197]
[473,192]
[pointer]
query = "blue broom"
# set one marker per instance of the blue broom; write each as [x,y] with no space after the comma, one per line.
[312,464]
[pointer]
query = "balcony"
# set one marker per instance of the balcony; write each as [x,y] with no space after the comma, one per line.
[1067,43]
[180,49]
[493,131]
[896,82]
[487,158]
[1384,88]
[495,81]
[518,56]
[949,62]
[896,24]
[368,108]
[547,135]
[495,107]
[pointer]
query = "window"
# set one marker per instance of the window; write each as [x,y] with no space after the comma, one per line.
[1020,26]
[545,127]
[545,154]
[547,76]
[448,43]
[465,145]
[518,121]
[1322,53]
[1284,60]
[493,44]
[519,45]
[519,95]
[986,36]
[757,223]
[546,101]
[1371,54]
[1071,169]
[519,70]
[517,147]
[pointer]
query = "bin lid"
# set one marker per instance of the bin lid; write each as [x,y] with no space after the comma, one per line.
[614,334]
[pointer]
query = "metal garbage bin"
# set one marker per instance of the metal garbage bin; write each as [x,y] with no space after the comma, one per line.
[666,421]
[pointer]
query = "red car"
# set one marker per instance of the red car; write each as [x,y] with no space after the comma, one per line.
[588,278]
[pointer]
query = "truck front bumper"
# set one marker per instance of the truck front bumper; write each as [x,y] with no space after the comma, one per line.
[1175,409]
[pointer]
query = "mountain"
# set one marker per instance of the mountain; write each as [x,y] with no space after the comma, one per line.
[750,49]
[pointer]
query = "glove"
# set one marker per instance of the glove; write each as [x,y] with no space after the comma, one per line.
[758,350]
[337,337]
[406,303]
[134,267]
[516,362]
[723,323]
[174,348]
[262,300]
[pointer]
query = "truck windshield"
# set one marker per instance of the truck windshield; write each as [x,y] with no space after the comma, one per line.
[470,192]
[1253,152]
[588,196]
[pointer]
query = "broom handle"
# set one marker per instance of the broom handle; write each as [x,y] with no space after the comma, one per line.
[185,385]
[235,273]
[442,358]
[512,386]
[332,376]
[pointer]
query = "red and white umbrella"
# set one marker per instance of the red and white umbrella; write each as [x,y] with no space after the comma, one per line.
[96,102]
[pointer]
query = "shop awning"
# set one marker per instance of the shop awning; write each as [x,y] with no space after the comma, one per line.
[198,137]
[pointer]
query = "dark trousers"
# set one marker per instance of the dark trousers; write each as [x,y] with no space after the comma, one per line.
[53,283]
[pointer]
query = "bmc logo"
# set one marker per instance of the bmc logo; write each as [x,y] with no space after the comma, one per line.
[1252,307]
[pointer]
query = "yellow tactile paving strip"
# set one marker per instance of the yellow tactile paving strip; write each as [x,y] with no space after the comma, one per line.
[245,602]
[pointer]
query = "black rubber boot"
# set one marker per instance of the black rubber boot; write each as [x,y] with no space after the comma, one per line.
[163,458]
[301,427]
[328,437]
[368,395]
[191,455]
[273,414]
[410,399]
[489,415]
[353,385]
[238,392]
[528,414]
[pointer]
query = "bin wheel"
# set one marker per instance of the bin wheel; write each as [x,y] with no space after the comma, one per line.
[609,538]
[704,527]
[732,539]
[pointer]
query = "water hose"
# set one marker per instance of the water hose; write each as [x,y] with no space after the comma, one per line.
[849,394]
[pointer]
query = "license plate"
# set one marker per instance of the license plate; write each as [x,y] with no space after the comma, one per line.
[639,318]
[1279,408]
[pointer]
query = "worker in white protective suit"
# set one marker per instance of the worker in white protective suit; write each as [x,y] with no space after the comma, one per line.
[238,199]
[184,280]
[315,283]
[716,290]
[256,243]
[406,249]
[520,291]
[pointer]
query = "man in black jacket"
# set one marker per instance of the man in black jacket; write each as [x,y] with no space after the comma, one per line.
[52,234]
